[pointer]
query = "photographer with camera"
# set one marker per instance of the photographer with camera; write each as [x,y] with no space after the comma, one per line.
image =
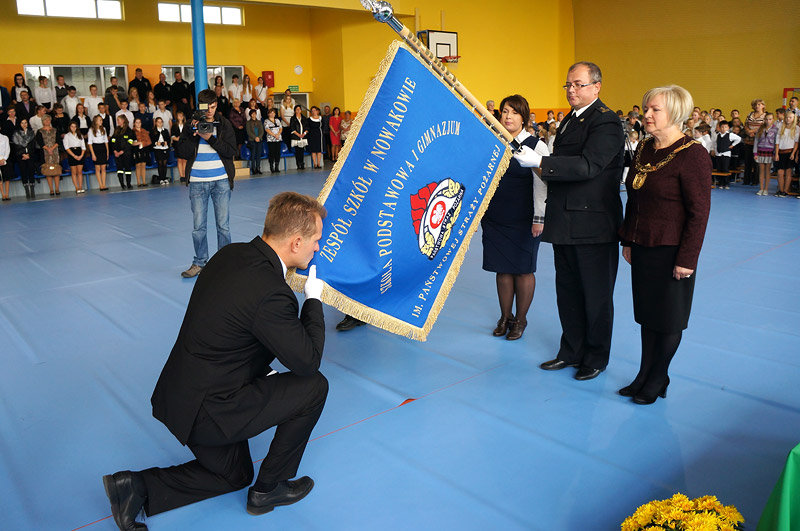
[211,144]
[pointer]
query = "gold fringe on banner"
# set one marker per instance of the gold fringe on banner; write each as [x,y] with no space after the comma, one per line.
[354,308]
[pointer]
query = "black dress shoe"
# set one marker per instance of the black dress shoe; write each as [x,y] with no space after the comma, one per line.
[123,490]
[348,323]
[641,398]
[286,492]
[516,329]
[502,326]
[587,373]
[629,390]
[556,365]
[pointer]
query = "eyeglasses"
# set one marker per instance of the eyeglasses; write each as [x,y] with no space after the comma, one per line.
[577,85]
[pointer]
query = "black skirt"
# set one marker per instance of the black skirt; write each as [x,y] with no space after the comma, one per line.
[7,171]
[509,248]
[77,152]
[141,155]
[100,154]
[660,302]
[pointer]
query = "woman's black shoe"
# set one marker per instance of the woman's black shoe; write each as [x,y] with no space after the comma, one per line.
[516,329]
[502,326]
[645,399]
[629,390]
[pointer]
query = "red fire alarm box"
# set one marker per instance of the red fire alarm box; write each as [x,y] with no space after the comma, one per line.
[269,77]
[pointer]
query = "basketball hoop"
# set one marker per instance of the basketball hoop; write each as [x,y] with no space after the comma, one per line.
[450,58]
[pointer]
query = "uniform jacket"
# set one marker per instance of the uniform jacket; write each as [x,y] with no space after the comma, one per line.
[583,178]
[241,316]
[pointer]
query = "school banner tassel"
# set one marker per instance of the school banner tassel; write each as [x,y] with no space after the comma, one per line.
[406,196]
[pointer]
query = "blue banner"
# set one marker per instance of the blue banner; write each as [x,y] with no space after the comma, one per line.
[413,179]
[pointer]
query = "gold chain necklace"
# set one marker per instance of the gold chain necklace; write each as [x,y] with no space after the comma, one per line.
[643,171]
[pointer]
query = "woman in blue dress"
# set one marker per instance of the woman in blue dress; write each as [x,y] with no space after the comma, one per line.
[513,224]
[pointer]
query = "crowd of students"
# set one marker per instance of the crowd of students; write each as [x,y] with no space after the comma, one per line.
[764,145]
[42,127]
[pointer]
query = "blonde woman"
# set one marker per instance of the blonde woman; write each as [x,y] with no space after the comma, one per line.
[669,197]
[786,151]
[286,112]
[133,98]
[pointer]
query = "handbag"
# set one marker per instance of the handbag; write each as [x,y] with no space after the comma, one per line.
[300,143]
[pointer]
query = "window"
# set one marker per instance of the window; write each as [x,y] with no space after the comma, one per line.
[107,9]
[169,12]
[79,76]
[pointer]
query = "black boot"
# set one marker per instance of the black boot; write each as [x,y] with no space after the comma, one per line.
[33,190]
[121,177]
[27,190]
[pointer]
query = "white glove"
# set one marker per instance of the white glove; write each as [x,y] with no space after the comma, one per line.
[313,286]
[528,158]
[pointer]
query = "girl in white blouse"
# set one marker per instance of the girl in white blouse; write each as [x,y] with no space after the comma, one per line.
[75,147]
[247,90]
[98,147]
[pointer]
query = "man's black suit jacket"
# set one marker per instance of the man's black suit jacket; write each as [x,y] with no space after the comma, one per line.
[583,178]
[241,316]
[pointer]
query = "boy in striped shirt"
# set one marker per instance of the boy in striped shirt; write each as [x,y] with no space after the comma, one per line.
[211,173]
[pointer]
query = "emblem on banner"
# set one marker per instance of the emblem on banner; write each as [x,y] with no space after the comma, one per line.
[434,211]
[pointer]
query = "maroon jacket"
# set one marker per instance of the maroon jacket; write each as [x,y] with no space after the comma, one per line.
[672,206]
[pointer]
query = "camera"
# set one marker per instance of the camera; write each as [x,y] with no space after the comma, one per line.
[203,127]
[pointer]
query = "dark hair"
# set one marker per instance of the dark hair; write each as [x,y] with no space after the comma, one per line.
[71,87]
[15,79]
[253,112]
[336,109]
[235,76]
[298,107]
[703,128]
[520,106]
[595,74]
[290,213]
[207,96]
[723,122]
[272,110]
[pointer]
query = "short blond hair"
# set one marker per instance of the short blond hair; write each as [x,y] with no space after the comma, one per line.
[291,213]
[677,101]
[755,103]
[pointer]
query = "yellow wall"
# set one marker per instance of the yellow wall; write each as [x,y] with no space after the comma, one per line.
[724,53]
[273,38]
[339,49]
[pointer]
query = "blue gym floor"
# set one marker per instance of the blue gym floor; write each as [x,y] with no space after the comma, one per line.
[91,300]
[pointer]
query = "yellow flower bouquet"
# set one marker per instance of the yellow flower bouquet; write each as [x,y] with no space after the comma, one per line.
[680,513]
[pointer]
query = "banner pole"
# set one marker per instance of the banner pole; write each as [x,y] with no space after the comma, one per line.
[384,12]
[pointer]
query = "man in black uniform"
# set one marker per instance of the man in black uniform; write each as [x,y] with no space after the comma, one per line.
[142,85]
[582,216]
[162,90]
[181,95]
[216,391]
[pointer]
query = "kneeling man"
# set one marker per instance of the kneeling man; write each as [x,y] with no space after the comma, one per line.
[215,391]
